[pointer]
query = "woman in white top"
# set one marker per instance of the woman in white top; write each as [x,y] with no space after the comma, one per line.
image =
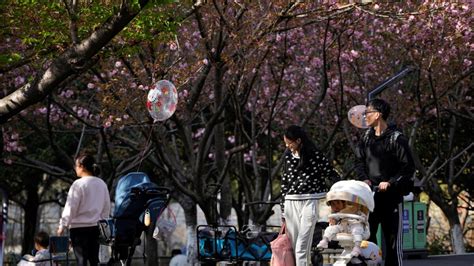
[88,201]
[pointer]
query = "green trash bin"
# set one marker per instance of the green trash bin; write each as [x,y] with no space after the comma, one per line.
[414,228]
[407,225]
[419,225]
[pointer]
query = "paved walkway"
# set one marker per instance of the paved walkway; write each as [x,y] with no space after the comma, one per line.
[435,260]
[442,260]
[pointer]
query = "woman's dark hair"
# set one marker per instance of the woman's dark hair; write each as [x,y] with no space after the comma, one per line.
[307,147]
[42,239]
[381,106]
[87,162]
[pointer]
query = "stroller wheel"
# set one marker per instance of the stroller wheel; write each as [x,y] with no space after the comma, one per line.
[357,261]
[317,258]
[357,264]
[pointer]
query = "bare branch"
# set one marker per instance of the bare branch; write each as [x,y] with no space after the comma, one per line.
[71,8]
[451,159]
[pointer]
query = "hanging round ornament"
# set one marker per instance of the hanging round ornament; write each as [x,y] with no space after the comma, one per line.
[356,116]
[162,100]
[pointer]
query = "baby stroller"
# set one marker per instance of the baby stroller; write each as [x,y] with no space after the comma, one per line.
[138,204]
[352,226]
[224,243]
[218,243]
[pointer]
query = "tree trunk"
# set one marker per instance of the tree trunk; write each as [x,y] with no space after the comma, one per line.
[225,203]
[151,247]
[457,239]
[191,245]
[455,229]
[31,217]
[190,215]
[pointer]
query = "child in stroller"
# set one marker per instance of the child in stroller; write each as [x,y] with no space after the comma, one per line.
[138,203]
[350,202]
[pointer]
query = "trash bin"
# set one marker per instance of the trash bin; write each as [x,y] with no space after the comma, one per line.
[407,225]
[419,225]
[414,228]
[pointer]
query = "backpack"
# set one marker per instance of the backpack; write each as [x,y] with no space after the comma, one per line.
[407,185]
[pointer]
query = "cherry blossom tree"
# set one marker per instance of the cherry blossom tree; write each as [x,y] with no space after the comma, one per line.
[244,71]
[72,58]
[46,46]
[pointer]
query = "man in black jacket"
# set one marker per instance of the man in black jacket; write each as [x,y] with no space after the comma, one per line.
[384,161]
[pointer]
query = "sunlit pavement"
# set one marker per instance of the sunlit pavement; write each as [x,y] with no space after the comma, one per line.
[445,260]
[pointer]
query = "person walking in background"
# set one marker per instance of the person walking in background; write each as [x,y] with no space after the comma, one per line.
[41,257]
[178,258]
[307,177]
[88,201]
[384,160]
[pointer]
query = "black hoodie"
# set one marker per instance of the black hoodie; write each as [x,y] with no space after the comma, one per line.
[385,159]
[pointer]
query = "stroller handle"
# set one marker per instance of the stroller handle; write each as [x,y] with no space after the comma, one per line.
[159,190]
[261,202]
[346,215]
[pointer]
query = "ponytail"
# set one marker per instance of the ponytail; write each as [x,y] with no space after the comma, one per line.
[88,163]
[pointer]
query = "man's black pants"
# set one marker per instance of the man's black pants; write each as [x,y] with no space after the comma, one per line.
[390,219]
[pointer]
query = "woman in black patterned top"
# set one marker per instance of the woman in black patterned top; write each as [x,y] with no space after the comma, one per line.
[307,177]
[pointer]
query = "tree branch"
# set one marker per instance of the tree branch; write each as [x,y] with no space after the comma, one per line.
[66,64]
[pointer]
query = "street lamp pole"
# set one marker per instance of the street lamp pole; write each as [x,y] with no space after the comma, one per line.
[389,82]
